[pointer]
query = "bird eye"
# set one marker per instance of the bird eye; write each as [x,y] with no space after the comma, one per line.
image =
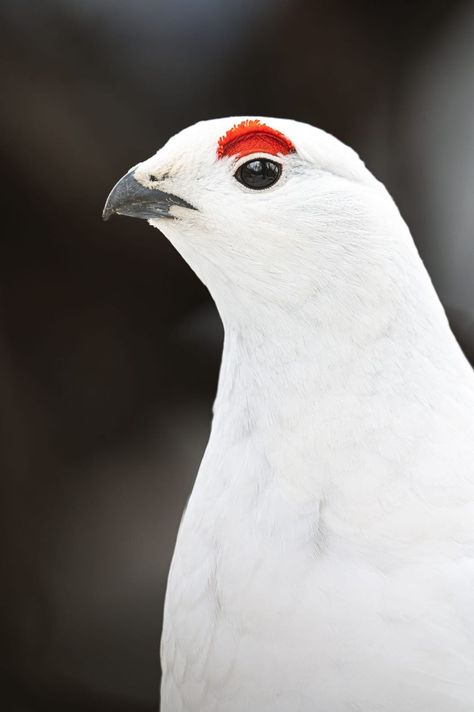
[259,173]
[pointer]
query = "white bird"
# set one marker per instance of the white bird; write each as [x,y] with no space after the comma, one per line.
[325,561]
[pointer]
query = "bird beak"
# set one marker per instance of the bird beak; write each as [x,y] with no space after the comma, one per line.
[130,197]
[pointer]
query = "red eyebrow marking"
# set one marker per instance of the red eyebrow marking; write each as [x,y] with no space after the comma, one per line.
[251,136]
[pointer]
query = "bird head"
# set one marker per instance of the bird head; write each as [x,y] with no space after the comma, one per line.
[270,213]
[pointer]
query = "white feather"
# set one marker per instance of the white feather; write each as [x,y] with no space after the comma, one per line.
[325,562]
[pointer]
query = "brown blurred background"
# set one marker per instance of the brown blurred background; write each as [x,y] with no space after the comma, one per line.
[109,345]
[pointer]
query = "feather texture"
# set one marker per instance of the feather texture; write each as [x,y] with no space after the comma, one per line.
[325,562]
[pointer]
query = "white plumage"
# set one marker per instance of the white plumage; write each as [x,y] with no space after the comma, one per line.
[325,561]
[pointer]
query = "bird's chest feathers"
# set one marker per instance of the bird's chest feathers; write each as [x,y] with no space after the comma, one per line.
[323,457]
[265,509]
[310,446]
[241,542]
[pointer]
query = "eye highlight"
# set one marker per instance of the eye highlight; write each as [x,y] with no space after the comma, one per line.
[259,173]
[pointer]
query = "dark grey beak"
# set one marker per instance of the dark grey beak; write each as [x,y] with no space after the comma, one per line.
[129,197]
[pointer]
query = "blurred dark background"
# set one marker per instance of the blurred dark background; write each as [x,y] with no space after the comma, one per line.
[109,345]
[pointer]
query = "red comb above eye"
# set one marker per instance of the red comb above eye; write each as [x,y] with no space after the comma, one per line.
[251,136]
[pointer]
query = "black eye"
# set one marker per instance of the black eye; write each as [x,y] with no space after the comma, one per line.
[259,173]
